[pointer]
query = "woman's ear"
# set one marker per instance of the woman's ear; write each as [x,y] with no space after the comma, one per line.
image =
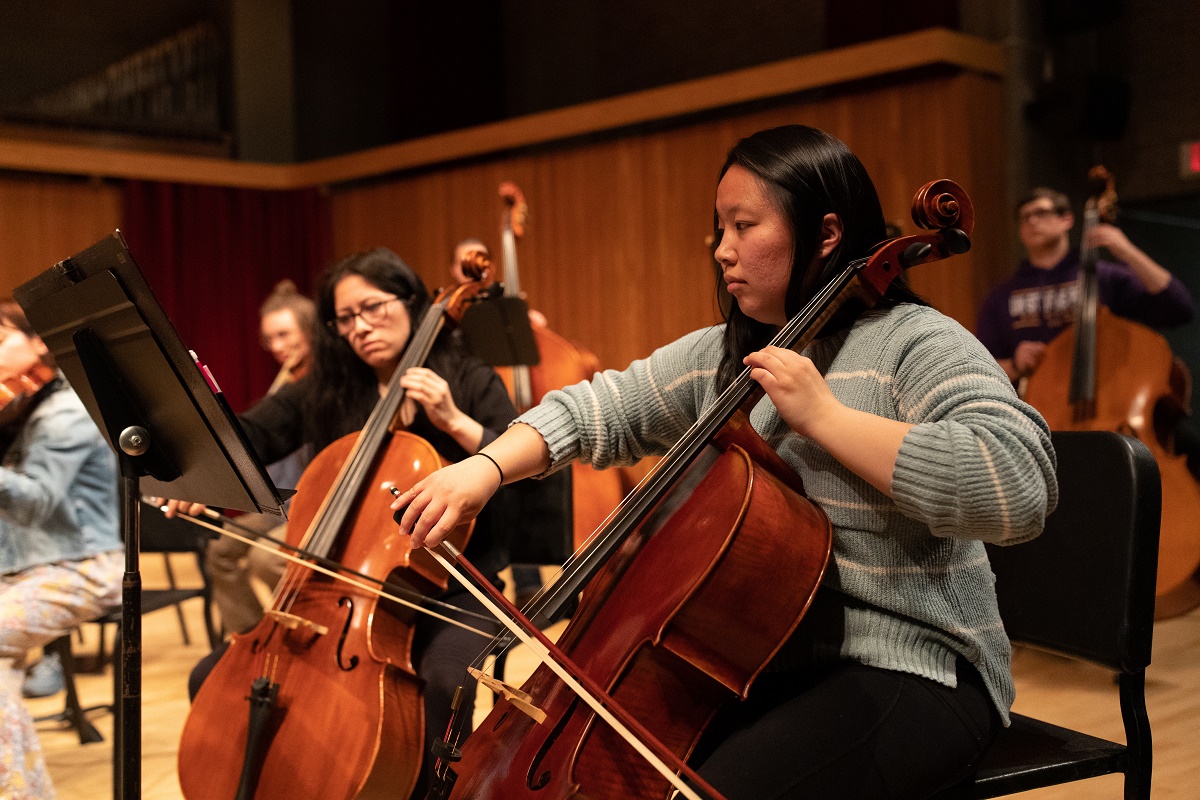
[830,236]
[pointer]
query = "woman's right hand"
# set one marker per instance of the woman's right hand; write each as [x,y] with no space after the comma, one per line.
[447,498]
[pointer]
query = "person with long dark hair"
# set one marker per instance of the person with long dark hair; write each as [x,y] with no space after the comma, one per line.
[368,306]
[904,431]
[60,549]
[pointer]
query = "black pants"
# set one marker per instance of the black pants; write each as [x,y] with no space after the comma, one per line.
[853,732]
[441,654]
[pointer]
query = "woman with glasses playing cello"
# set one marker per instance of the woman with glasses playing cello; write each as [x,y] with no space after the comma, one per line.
[369,306]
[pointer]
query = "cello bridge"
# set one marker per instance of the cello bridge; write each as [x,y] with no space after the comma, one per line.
[295,623]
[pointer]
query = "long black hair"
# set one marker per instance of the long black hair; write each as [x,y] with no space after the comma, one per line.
[807,174]
[344,386]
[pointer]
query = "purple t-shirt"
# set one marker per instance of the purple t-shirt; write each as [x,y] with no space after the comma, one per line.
[1035,304]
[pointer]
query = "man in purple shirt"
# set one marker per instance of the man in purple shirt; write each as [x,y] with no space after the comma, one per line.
[1029,309]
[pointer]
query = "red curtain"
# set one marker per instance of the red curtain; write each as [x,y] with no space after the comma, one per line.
[212,255]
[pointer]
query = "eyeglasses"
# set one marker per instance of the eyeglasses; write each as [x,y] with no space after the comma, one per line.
[372,313]
[1038,214]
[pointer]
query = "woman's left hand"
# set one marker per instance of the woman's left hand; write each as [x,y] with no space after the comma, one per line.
[865,443]
[794,385]
[433,393]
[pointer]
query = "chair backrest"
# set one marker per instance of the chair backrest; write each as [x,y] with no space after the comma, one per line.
[161,535]
[1085,587]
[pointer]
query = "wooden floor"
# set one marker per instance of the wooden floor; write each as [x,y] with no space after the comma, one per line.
[1053,689]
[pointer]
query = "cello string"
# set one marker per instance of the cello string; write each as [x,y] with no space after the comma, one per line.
[336,505]
[308,565]
[334,565]
[543,654]
[623,519]
[673,462]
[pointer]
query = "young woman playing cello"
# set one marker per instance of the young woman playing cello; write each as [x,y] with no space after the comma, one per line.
[368,305]
[904,431]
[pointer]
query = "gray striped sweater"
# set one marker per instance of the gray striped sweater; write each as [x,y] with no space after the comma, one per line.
[909,587]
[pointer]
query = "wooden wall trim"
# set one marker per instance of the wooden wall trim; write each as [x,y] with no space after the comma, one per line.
[857,62]
[61,159]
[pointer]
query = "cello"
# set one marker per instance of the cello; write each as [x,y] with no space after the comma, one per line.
[1109,373]
[330,663]
[661,628]
[594,493]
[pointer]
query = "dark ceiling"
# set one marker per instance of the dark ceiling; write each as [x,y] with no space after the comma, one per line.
[45,44]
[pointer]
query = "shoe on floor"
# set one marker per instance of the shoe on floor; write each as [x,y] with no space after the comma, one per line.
[44,678]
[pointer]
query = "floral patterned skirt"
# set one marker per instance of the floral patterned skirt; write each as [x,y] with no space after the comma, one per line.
[38,605]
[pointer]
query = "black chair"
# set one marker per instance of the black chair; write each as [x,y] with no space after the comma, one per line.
[1083,589]
[158,535]
[167,536]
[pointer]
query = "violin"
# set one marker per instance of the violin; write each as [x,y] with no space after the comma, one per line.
[17,391]
[287,374]
[704,542]
[321,699]
[1105,372]
[594,493]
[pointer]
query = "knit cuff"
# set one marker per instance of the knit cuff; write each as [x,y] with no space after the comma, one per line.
[924,471]
[557,429]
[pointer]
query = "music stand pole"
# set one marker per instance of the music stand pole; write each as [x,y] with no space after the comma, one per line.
[127,733]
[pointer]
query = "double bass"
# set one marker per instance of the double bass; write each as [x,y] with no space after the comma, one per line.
[660,639]
[321,699]
[594,493]
[1109,373]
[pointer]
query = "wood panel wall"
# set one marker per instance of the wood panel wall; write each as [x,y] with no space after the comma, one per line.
[615,253]
[44,220]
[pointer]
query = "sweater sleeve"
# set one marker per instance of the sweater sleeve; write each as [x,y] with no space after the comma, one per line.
[274,425]
[993,326]
[482,396]
[978,464]
[620,417]
[1126,295]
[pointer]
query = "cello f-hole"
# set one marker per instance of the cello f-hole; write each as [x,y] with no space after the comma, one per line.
[348,603]
[261,644]
[544,778]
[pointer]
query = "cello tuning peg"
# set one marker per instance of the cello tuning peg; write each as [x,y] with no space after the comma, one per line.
[956,241]
[914,253]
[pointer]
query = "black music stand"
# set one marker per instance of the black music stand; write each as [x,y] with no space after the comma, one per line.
[497,331]
[172,431]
